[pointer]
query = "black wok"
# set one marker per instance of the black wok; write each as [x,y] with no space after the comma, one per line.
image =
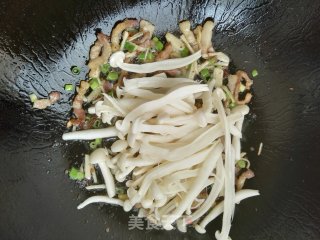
[41,40]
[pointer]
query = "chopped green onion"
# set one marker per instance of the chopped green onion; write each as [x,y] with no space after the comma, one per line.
[112,76]
[230,99]
[212,61]
[205,74]
[155,39]
[68,87]
[123,197]
[232,105]
[98,141]
[184,52]
[105,68]
[97,124]
[110,93]
[157,44]
[94,83]
[150,56]
[228,94]
[75,174]
[242,87]
[33,97]
[254,73]
[93,145]
[120,190]
[75,70]
[130,46]
[241,164]
[142,56]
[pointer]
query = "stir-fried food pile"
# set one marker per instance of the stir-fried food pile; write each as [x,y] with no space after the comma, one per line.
[175,114]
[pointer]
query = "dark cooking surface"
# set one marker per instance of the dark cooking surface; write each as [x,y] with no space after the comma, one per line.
[41,40]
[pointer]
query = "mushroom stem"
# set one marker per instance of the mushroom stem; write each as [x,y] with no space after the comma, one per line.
[91,134]
[100,199]
[207,167]
[117,60]
[99,157]
[218,209]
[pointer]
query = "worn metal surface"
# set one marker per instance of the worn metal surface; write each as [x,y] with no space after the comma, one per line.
[41,40]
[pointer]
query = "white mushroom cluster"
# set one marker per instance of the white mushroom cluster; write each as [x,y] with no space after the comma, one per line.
[170,151]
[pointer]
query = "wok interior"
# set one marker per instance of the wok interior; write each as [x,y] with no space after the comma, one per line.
[43,40]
